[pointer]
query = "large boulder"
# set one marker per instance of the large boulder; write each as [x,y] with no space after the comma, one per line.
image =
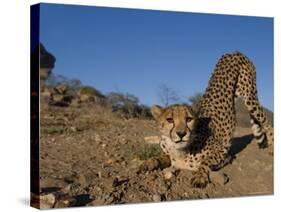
[47,63]
[61,96]
[61,89]
[90,94]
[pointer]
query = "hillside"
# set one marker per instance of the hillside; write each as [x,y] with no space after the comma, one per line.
[89,155]
[242,115]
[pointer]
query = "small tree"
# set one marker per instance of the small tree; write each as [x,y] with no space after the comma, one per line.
[167,95]
[124,103]
[75,84]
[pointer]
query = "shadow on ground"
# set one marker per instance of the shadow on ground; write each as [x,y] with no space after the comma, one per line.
[239,144]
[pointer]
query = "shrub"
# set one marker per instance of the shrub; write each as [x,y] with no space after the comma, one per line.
[143,151]
[148,151]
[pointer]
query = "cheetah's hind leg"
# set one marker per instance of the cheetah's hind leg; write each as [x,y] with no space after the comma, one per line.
[264,138]
[258,134]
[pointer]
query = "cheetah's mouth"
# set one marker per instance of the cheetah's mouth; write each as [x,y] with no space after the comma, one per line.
[185,140]
[180,144]
[180,141]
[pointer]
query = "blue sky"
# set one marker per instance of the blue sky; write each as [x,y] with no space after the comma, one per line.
[135,51]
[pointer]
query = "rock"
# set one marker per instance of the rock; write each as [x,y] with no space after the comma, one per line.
[47,60]
[73,129]
[66,189]
[99,174]
[47,201]
[61,89]
[57,97]
[60,100]
[64,200]
[98,201]
[152,139]
[84,97]
[124,163]
[46,93]
[75,102]
[218,178]
[47,63]
[148,165]
[168,173]
[44,74]
[98,139]
[82,180]
[156,198]
[119,181]
[69,178]
[110,161]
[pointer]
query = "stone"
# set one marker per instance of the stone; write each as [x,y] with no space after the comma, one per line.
[218,178]
[98,139]
[69,179]
[57,97]
[47,201]
[73,129]
[156,198]
[168,173]
[110,161]
[46,93]
[99,174]
[75,102]
[64,200]
[82,180]
[98,201]
[152,139]
[117,181]
[61,89]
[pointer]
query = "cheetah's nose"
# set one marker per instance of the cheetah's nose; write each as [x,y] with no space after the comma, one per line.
[181,134]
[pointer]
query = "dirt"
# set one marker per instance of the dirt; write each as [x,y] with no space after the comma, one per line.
[92,155]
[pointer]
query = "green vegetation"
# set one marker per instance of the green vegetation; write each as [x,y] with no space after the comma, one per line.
[143,151]
[148,151]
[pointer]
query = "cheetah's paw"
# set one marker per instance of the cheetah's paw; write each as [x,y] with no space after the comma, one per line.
[200,179]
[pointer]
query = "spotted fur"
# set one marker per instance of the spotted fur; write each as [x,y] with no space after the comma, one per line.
[202,143]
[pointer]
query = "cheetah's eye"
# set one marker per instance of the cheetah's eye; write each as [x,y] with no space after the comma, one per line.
[170,120]
[188,119]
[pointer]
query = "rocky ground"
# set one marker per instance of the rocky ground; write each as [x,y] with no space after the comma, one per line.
[89,156]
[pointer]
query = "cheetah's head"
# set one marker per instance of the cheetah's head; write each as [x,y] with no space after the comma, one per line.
[177,123]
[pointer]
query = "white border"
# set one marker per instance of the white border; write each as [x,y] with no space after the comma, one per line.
[14,113]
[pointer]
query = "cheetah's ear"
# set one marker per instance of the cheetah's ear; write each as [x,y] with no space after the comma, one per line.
[156,111]
[195,109]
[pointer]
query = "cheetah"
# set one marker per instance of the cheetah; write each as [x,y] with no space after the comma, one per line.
[199,139]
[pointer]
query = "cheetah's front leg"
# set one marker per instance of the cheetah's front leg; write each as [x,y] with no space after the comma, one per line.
[161,162]
[200,178]
[215,161]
